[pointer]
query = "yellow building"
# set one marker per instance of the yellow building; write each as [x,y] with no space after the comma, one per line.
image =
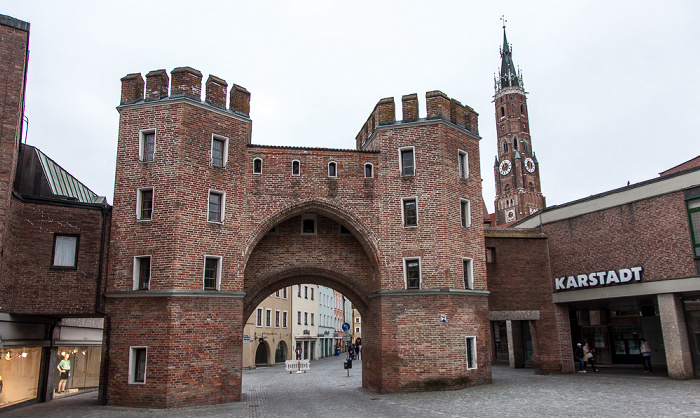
[267,335]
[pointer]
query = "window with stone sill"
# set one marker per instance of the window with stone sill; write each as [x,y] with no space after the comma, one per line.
[142,272]
[147,145]
[412,275]
[65,251]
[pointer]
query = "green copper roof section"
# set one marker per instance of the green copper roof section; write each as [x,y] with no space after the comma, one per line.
[509,77]
[496,163]
[534,157]
[62,183]
[517,155]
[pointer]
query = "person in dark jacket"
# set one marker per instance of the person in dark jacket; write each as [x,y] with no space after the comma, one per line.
[578,355]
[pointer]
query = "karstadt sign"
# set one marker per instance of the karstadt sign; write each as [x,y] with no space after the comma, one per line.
[600,278]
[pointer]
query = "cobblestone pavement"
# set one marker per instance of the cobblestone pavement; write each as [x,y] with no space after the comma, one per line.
[326,390]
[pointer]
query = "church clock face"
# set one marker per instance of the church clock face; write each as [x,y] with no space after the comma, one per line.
[504,167]
[529,165]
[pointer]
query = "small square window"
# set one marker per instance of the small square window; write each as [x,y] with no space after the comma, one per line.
[332,169]
[412,273]
[137,365]
[212,272]
[465,213]
[357,330]
[257,166]
[65,251]
[407,161]
[216,206]
[147,145]
[410,212]
[463,162]
[308,224]
[144,204]
[369,170]
[357,319]
[219,151]
[142,273]
[471,353]
[468,272]
[296,168]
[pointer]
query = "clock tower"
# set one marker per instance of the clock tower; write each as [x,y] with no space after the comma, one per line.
[516,169]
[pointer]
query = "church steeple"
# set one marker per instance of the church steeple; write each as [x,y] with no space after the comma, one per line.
[509,77]
[516,169]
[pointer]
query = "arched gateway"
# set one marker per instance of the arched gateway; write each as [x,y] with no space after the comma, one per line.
[205,225]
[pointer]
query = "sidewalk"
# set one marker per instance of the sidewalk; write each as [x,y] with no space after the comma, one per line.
[326,390]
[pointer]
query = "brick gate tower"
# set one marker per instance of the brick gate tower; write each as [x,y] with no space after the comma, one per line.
[516,170]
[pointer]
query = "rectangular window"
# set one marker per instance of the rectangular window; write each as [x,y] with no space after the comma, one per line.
[312,318]
[142,273]
[412,273]
[212,272]
[306,292]
[332,169]
[216,206]
[144,204]
[218,151]
[257,166]
[298,290]
[465,213]
[463,162]
[268,317]
[357,330]
[306,318]
[296,168]
[308,224]
[410,212]
[284,293]
[312,293]
[468,271]
[407,161]
[284,319]
[471,353]
[277,319]
[299,317]
[65,251]
[369,170]
[259,318]
[147,145]
[357,319]
[694,219]
[137,365]
[277,294]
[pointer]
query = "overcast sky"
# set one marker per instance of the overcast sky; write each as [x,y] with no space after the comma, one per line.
[613,88]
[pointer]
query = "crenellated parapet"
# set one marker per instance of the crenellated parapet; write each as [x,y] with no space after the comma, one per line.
[438,105]
[183,82]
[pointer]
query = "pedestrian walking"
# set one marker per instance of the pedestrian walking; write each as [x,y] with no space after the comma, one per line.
[589,357]
[646,355]
[578,355]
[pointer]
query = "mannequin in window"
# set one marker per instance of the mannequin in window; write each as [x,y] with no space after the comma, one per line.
[64,368]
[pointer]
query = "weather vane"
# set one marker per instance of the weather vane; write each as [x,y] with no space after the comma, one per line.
[503,18]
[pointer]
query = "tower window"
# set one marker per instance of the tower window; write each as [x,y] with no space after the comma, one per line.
[332,169]
[142,272]
[212,272]
[257,166]
[465,213]
[144,204]
[406,159]
[463,162]
[216,206]
[467,270]
[505,147]
[503,112]
[515,143]
[410,212]
[308,224]
[147,145]
[219,151]
[412,273]
[369,170]
[296,169]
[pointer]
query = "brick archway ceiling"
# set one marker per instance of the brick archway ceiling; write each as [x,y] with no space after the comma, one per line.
[362,233]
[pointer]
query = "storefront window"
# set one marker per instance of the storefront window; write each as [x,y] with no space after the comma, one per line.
[19,374]
[85,366]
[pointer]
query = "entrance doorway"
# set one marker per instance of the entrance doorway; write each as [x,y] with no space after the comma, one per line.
[281,352]
[261,355]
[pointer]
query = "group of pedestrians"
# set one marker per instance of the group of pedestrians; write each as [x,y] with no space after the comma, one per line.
[584,353]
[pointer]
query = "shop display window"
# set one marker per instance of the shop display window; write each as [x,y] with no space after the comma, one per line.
[19,374]
[85,366]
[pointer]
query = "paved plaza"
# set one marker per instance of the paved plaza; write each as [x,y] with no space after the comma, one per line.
[327,391]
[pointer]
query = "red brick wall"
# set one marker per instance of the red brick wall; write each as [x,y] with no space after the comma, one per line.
[369,261]
[32,286]
[647,233]
[520,280]
[13,50]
